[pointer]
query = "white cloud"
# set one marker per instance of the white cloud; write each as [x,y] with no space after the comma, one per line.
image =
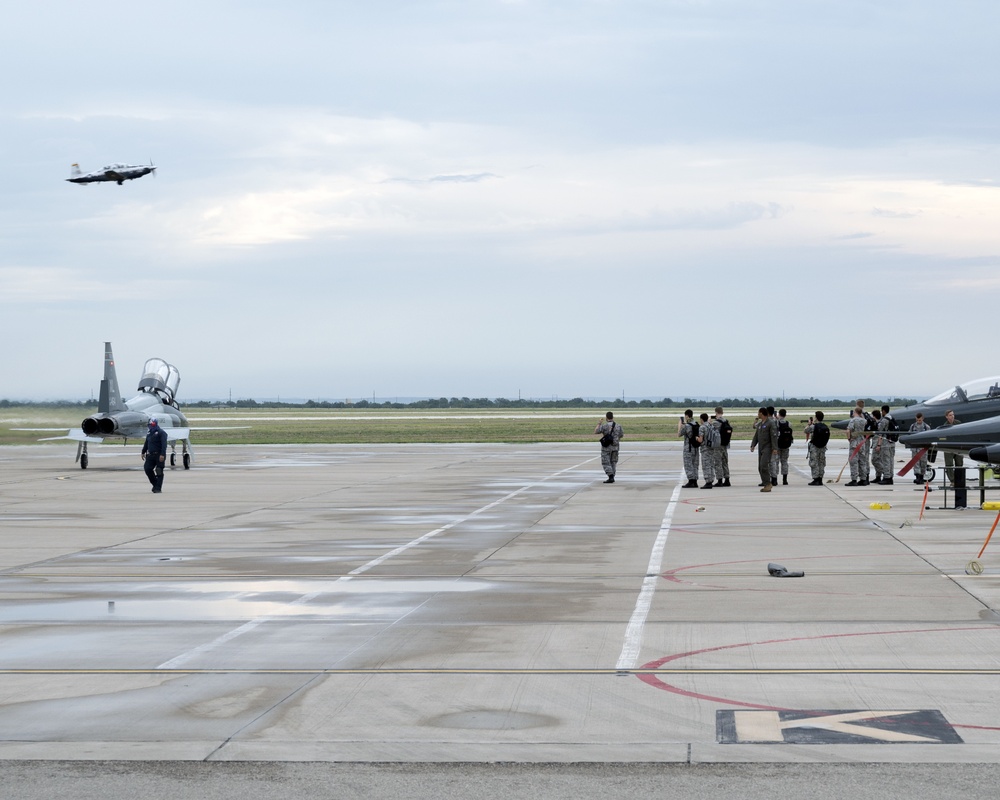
[461,180]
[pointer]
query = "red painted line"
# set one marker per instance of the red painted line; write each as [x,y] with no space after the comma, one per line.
[658,683]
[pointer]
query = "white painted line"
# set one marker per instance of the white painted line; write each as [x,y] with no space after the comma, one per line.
[636,625]
[183,658]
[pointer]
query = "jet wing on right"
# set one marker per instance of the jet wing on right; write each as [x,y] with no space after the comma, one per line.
[980,440]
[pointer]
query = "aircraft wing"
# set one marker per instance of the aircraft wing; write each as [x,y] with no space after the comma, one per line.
[959,438]
[76,435]
[958,447]
[114,175]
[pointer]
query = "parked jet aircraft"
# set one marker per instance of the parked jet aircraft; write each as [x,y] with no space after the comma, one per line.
[113,172]
[117,419]
[975,400]
[980,440]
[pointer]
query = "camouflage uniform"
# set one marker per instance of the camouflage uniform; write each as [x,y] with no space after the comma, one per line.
[866,451]
[690,452]
[708,457]
[609,455]
[779,462]
[886,450]
[855,435]
[722,454]
[920,469]
[816,455]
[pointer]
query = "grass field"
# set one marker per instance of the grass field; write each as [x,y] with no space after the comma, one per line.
[372,426]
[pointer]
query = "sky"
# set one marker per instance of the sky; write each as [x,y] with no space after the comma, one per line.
[501,198]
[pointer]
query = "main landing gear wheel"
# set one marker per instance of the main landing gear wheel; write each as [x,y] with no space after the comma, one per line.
[83,461]
[173,459]
[187,461]
[929,475]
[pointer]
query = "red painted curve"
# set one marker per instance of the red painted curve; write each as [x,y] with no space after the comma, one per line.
[658,683]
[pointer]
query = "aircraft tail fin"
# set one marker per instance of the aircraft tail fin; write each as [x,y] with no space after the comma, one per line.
[110,401]
[75,171]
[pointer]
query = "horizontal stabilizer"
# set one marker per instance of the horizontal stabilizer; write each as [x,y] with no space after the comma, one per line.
[76,435]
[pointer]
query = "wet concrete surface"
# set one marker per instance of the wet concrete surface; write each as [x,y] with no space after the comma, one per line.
[481,603]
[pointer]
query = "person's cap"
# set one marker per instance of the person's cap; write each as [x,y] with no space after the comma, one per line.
[152,420]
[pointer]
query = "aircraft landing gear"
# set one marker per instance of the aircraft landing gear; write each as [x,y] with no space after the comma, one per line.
[81,455]
[83,461]
[187,461]
[173,459]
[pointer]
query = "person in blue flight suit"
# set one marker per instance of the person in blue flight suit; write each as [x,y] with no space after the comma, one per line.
[154,454]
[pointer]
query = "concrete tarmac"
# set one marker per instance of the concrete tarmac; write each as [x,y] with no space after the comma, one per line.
[486,603]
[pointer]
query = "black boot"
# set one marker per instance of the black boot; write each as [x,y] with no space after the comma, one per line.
[784,480]
[919,478]
[726,482]
[708,485]
[692,484]
[611,479]
[774,480]
[719,482]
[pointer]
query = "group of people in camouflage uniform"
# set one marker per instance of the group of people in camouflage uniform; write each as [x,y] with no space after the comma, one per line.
[706,440]
[773,438]
[872,442]
[871,438]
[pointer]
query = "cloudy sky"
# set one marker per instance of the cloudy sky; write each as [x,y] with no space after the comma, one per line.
[493,198]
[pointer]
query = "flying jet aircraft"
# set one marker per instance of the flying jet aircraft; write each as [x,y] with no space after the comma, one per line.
[113,172]
[975,400]
[118,419]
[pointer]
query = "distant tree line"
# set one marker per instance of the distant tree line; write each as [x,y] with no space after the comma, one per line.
[575,402]
[502,402]
[49,403]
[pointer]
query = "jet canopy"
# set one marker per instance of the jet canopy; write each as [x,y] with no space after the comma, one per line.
[159,377]
[979,389]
